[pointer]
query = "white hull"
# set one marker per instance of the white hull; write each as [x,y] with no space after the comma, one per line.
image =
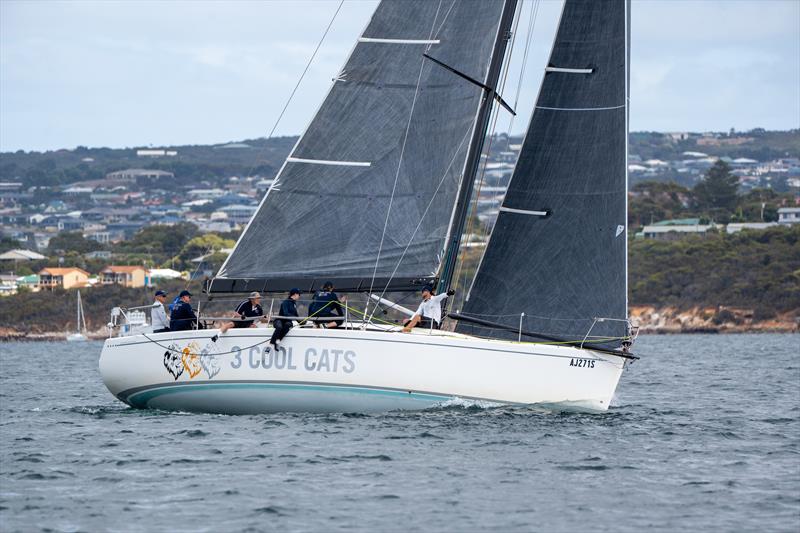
[324,370]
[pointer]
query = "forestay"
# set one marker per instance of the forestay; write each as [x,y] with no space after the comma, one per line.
[385,151]
[558,249]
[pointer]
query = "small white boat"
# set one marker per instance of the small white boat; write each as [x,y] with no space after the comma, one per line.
[80,334]
[375,196]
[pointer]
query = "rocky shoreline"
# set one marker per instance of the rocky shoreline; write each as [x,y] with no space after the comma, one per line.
[720,319]
[650,319]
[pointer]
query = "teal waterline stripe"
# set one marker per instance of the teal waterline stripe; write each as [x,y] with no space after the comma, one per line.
[141,399]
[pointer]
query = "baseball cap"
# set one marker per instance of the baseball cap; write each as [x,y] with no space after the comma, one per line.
[184,293]
[255,294]
[294,291]
[428,288]
[161,293]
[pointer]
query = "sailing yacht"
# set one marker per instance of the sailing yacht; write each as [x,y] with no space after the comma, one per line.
[80,324]
[375,196]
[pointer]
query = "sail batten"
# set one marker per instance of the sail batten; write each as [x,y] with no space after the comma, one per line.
[564,275]
[329,162]
[397,41]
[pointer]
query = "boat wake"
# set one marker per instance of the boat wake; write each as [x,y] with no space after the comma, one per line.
[466,403]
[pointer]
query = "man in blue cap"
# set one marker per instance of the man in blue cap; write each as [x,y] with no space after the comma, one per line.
[282,324]
[183,317]
[158,317]
[429,313]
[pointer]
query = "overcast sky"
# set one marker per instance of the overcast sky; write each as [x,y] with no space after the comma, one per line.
[124,73]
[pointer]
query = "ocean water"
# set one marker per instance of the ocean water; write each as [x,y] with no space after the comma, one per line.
[703,435]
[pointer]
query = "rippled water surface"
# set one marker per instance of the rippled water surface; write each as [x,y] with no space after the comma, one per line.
[704,434]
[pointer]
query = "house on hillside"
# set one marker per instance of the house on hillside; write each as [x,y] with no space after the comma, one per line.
[239,214]
[127,276]
[132,174]
[736,227]
[789,215]
[66,278]
[21,255]
[8,284]
[669,230]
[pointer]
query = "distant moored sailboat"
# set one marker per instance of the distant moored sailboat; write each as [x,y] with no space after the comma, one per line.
[80,324]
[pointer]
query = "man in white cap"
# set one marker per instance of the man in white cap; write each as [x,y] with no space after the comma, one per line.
[248,309]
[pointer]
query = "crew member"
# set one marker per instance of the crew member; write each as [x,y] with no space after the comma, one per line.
[183,317]
[283,325]
[158,317]
[429,313]
[326,305]
[250,308]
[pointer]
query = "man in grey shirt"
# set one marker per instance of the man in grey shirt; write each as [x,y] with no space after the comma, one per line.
[158,317]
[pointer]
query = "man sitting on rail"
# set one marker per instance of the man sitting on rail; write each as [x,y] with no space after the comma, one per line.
[429,313]
[182,316]
[326,308]
[283,323]
[250,308]
[158,317]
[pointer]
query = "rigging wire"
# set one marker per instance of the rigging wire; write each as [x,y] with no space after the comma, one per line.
[496,112]
[421,219]
[297,85]
[400,160]
[531,25]
[528,39]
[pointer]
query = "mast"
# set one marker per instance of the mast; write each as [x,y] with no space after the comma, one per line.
[80,314]
[476,146]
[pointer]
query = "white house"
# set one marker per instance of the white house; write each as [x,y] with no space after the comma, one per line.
[736,227]
[788,215]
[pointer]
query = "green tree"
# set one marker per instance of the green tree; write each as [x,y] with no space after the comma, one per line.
[72,241]
[717,191]
[7,243]
[210,243]
[159,242]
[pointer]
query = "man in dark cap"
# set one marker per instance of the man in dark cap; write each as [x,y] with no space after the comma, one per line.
[158,317]
[326,308]
[183,317]
[250,308]
[429,313]
[282,325]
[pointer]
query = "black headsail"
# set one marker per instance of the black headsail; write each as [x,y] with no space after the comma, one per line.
[558,251]
[366,197]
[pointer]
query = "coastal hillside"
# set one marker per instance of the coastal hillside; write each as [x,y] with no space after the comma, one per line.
[719,281]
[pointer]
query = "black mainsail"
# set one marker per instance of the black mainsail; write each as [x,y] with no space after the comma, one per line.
[367,196]
[558,251]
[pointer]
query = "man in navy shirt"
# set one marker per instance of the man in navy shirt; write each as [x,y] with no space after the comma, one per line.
[250,308]
[182,316]
[283,325]
[326,305]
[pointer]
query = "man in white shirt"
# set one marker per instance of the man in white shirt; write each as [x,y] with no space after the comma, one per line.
[158,317]
[429,311]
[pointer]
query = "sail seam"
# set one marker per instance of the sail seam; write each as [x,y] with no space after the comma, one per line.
[397,41]
[329,162]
